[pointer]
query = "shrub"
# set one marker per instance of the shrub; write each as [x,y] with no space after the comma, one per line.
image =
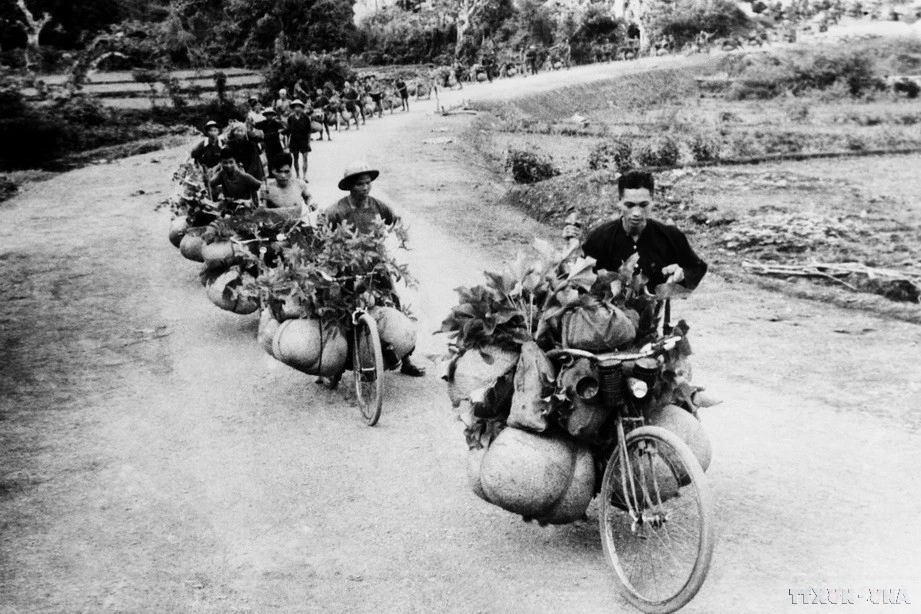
[685,19]
[842,67]
[528,167]
[704,147]
[798,111]
[822,68]
[613,155]
[660,151]
[12,102]
[85,110]
[744,145]
[393,35]
[30,140]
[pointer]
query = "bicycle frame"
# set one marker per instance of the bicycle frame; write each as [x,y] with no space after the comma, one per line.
[608,364]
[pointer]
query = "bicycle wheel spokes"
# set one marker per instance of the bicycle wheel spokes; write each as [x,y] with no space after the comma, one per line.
[368,366]
[658,534]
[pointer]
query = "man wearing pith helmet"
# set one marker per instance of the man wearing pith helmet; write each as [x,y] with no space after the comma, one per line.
[362,210]
[359,208]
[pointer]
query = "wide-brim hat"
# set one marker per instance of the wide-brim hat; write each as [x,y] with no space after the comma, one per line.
[253,99]
[355,169]
[270,111]
[297,102]
[210,124]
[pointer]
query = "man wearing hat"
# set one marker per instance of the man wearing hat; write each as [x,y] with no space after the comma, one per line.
[530,58]
[359,208]
[299,130]
[272,133]
[207,153]
[362,210]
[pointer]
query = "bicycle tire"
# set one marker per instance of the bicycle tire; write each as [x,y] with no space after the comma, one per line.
[368,368]
[665,471]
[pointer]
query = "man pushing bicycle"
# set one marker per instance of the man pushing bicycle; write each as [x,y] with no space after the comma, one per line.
[361,210]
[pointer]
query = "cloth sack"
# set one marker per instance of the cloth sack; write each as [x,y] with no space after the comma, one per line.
[596,328]
[534,377]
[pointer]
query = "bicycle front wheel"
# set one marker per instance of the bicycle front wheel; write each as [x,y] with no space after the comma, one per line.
[368,367]
[656,520]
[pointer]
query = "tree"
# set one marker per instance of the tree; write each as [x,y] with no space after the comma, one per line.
[308,25]
[33,29]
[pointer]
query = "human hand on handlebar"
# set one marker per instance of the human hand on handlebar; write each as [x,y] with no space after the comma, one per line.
[675,274]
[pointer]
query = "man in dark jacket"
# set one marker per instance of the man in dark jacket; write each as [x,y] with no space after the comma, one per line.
[207,153]
[665,256]
[299,129]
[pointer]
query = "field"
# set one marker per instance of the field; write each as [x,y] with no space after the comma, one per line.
[787,181]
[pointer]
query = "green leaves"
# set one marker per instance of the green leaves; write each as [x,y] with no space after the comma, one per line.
[582,274]
[517,305]
[329,272]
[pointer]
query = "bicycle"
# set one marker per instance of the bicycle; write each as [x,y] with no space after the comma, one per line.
[652,483]
[367,366]
[366,354]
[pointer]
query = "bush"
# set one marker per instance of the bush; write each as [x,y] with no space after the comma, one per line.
[12,102]
[528,167]
[704,147]
[660,151]
[30,140]
[822,68]
[611,155]
[798,111]
[393,35]
[744,145]
[84,110]
[849,69]
[685,19]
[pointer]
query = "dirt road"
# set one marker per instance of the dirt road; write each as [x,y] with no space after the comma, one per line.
[155,459]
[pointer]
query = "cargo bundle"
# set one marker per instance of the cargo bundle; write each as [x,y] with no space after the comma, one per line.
[307,281]
[538,432]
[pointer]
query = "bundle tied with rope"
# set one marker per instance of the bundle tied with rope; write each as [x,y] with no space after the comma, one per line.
[313,286]
[533,427]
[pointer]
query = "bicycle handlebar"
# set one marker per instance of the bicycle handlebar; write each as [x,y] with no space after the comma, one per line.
[650,349]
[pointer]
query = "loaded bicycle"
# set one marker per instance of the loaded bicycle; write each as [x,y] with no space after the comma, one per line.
[366,355]
[655,507]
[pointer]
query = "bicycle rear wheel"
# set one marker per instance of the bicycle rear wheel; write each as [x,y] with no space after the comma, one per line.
[656,529]
[368,368]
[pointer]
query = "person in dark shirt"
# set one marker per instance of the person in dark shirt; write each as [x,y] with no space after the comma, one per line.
[299,130]
[530,59]
[403,91]
[273,130]
[377,96]
[207,153]
[351,97]
[233,182]
[361,210]
[665,256]
[245,151]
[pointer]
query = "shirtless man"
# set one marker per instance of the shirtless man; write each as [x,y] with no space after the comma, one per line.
[283,193]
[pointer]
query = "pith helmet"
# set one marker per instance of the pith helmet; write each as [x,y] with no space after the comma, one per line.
[359,167]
